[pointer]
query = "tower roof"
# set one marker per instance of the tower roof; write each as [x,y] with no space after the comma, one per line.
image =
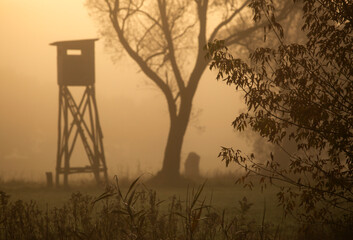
[73,42]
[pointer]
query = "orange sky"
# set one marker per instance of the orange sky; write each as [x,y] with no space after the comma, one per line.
[133,115]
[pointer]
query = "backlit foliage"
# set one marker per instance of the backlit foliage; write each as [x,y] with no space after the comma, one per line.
[304,93]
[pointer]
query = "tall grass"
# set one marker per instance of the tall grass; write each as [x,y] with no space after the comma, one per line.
[136,213]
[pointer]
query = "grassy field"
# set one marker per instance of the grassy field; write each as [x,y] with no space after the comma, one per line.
[235,211]
[221,196]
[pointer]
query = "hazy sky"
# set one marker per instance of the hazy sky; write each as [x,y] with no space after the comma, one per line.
[133,114]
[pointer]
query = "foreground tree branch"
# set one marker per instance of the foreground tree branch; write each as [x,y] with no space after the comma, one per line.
[302,93]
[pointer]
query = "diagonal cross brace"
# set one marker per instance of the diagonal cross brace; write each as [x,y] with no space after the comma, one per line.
[78,119]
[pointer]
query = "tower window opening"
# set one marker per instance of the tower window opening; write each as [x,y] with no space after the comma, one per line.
[76,52]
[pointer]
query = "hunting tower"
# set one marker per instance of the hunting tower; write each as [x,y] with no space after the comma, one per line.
[78,119]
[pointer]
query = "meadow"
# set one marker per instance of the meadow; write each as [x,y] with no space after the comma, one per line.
[132,210]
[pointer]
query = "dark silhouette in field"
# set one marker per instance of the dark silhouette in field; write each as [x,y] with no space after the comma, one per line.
[166,39]
[78,119]
[49,178]
[192,166]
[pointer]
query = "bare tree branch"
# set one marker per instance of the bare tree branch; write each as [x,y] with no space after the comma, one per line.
[228,20]
[168,36]
[143,65]
[236,36]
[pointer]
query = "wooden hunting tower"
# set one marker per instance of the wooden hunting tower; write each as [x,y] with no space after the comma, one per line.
[75,64]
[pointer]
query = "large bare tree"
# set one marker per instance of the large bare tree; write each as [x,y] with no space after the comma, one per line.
[166,38]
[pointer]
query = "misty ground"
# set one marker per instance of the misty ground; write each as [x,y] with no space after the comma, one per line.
[219,192]
[220,197]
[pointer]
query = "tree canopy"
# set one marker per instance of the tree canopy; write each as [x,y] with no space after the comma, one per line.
[302,93]
[166,40]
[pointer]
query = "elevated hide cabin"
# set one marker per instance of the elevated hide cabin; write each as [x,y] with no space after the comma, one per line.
[78,119]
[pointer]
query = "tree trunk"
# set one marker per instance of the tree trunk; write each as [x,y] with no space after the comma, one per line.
[170,172]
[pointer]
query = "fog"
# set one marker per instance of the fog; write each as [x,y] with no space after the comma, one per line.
[133,113]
